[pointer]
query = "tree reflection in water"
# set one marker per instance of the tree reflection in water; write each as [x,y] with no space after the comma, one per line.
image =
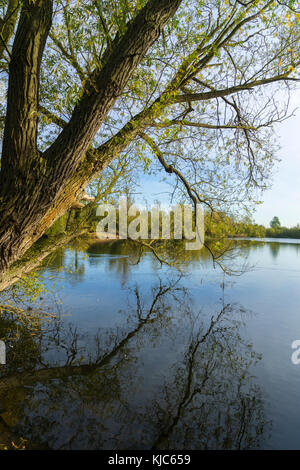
[166,378]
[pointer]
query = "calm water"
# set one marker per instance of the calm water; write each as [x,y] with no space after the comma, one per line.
[140,356]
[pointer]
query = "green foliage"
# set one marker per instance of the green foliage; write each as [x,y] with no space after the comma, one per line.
[283,232]
[225,165]
[275,223]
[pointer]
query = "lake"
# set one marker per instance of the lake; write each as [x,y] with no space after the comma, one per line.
[139,355]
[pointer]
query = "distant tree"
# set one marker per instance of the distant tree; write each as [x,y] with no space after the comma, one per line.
[275,223]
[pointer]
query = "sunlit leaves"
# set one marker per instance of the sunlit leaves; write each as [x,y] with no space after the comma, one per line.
[205,46]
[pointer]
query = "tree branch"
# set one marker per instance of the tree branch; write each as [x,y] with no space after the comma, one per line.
[186,97]
[105,88]
[20,134]
[70,56]
[171,169]
[52,117]
[183,122]
[7,25]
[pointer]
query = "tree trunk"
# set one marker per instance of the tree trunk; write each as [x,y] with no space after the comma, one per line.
[36,188]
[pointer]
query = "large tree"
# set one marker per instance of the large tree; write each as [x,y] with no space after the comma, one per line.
[191,83]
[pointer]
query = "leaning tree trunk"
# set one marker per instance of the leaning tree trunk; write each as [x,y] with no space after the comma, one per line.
[36,188]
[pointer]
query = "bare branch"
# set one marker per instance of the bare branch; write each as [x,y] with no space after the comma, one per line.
[53,117]
[231,90]
[183,122]
[171,169]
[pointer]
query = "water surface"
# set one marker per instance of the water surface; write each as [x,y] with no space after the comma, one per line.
[140,356]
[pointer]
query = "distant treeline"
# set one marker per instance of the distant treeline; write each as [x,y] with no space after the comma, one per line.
[283,232]
[248,229]
[243,229]
[218,225]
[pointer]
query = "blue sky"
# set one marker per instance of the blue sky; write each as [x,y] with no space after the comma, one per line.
[282,199]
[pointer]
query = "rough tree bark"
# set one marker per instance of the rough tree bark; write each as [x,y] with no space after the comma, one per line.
[36,188]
